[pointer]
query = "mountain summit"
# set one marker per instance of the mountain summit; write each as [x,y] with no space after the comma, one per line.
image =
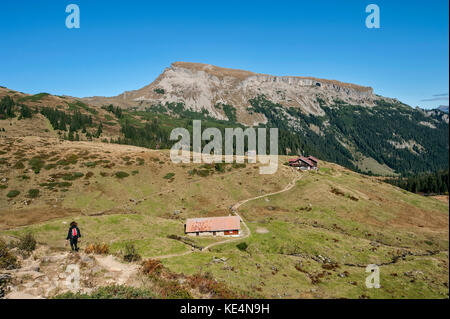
[201,87]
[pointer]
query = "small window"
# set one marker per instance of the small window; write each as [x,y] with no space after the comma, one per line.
[197,234]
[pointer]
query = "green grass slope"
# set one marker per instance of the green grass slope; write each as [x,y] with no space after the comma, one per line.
[312,241]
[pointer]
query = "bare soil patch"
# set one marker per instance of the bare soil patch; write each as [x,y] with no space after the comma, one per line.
[262,230]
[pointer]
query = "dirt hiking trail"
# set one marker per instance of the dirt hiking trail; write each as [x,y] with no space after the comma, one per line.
[234,209]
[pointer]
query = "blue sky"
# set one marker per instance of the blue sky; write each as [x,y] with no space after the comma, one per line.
[125,45]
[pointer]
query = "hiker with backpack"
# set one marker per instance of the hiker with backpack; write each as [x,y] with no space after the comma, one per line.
[73,235]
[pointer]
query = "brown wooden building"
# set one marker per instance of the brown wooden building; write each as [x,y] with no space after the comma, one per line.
[304,163]
[213,226]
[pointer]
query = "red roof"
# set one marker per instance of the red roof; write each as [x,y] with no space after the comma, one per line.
[293,160]
[194,225]
[305,160]
[312,158]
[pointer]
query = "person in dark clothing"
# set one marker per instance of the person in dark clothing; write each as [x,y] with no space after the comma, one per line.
[73,235]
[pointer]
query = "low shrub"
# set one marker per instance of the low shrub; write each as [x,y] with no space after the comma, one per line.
[13,193]
[7,260]
[206,284]
[72,159]
[202,172]
[50,166]
[99,249]
[19,165]
[112,292]
[121,174]
[242,246]
[73,176]
[130,253]
[90,164]
[36,163]
[220,167]
[152,267]
[62,162]
[27,243]
[173,290]
[33,193]
[337,191]
[169,175]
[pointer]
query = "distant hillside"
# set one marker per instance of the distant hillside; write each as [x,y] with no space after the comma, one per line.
[339,122]
[443,108]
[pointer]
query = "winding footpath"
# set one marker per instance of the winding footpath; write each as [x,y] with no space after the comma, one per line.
[234,209]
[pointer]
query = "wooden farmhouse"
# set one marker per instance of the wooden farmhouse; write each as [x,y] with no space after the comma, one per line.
[213,226]
[304,163]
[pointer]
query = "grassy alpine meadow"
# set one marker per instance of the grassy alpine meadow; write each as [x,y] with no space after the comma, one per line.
[317,239]
[309,242]
[313,240]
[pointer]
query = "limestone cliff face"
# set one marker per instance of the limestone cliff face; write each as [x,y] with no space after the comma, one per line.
[202,86]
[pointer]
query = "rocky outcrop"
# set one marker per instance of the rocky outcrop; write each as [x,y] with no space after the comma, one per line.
[202,86]
[46,273]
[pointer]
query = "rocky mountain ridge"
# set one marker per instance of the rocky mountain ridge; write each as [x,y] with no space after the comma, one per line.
[201,87]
